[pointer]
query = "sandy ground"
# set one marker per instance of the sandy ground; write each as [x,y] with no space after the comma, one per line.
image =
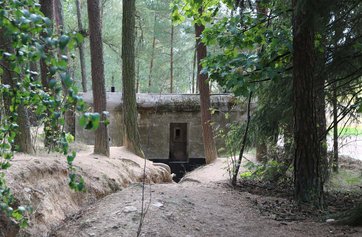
[202,204]
[349,146]
[41,181]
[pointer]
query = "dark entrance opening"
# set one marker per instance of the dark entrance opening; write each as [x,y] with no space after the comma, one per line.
[180,168]
[178,142]
[179,160]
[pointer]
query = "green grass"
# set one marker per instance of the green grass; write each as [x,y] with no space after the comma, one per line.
[350,131]
[345,180]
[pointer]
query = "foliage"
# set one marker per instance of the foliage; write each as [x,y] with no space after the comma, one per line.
[276,168]
[30,33]
[348,131]
[147,27]
[254,49]
[267,171]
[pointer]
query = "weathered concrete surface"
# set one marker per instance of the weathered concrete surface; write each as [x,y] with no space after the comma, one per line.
[156,112]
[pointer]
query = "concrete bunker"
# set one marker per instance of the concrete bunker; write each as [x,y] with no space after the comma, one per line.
[169,126]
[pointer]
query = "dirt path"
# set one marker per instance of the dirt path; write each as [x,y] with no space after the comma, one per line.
[202,205]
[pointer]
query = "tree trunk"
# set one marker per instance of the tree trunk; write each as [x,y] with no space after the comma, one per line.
[131,138]
[81,46]
[47,8]
[97,64]
[335,129]
[207,133]
[152,56]
[261,151]
[171,58]
[193,86]
[243,143]
[307,180]
[69,116]
[138,77]
[320,100]
[23,134]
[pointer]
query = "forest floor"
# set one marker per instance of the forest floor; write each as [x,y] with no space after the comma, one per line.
[203,204]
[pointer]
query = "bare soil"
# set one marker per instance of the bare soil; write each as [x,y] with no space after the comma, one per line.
[202,204]
[41,181]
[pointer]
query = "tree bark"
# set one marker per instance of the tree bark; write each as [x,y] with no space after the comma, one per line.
[335,129]
[194,86]
[23,136]
[97,68]
[131,138]
[171,59]
[69,115]
[261,151]
[307,180]
[243,143]
[81,46]
[152,56]
[47,8]
[207,133]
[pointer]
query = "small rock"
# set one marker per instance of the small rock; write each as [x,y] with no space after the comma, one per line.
[129,209]
[330,220]
[92,234]
[157,204]
[28,190]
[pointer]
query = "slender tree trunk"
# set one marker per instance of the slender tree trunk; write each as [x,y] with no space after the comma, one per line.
[138,77]
[243,143]
[261,146]
[171,59]
[307,180]
[335,129]
[98,83]
[131,138]
[207,133]
[47,8]
[320,101]
[261,151]
[195,86]
[81,46]
[69,115]
[152,56]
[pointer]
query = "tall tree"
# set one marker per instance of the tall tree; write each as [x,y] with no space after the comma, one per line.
[69,115]
[335,128]
[194,85]
[23,136]
[81,46]
[207,133]
[307,179]
[97,64]
[152,55]
[171,57]
[131,139]
[47,8]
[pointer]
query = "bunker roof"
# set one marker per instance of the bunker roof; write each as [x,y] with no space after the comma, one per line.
[168,102]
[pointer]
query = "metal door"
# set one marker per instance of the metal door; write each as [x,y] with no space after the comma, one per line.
[178,141]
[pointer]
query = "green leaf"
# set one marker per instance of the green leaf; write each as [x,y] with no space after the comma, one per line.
[63,41]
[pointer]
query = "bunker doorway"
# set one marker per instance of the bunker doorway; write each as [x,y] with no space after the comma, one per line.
[178,142]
